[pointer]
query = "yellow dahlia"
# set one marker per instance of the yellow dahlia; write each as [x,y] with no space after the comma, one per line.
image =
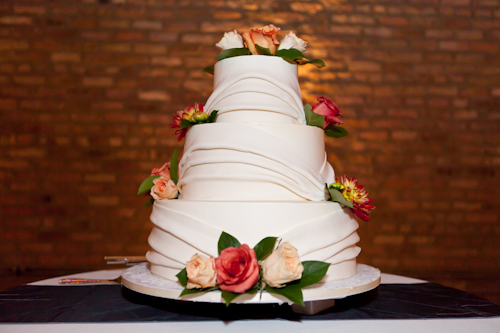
[357,194]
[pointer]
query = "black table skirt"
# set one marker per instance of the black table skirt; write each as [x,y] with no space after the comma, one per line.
[114,303]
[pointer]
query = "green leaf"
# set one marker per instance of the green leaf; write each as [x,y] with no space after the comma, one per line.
[229,53]
[146,185]
[314,271]
[226,240]
[148,203]
[213,116]
[182,277]
[313,119]
[263,50]
[209,69]
[187,291]
[290,54]
[292,291]
[336,131]
[174,167]
[336,195]
[186,123]
[265,247]
[229,296]
[319,63]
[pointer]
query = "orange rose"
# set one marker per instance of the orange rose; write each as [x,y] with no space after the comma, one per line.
[237,269]
[164,171]
[264,37]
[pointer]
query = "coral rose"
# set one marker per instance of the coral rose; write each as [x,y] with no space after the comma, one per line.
[164,188]
[291,41]
[264,37]
[164,171]
[237,269]
[330,111]
[231,40]
[201,272]
[282,266]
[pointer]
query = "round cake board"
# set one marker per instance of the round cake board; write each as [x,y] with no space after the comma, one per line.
[317,297]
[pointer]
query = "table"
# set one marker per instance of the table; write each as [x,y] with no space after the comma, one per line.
[116,309]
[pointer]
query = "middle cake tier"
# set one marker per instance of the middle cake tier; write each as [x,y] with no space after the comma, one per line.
[254,162]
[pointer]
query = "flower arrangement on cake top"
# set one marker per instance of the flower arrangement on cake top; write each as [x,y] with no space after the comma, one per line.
[264,41]
[240,269]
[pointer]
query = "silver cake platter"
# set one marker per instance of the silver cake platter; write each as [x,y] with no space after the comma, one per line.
[317,297]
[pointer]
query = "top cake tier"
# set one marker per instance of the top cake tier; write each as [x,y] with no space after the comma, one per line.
[256,88]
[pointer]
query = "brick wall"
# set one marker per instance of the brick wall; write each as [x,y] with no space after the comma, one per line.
[88,87]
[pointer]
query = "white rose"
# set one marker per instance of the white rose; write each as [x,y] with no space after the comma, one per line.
[282,266]
[231,40]
[291,41]
[201,272]
[164,188]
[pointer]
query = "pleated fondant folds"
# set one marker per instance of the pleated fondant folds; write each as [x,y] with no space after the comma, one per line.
[256,88]
[177,235]
[234,161]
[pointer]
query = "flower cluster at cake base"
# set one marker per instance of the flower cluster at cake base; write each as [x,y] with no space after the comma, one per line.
[241,270]
[191,115]
[162,182]
[348,192]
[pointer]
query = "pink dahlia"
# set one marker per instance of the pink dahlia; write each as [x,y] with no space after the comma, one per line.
[186,114]
[358,195]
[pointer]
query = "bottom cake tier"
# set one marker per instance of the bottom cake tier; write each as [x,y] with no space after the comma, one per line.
[321,231]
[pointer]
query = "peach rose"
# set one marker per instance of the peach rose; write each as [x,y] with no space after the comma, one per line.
[330,111]
[201,272]
[237,269]
[291,41]
[264,36]
[164,171]
[164,188]
[282,266]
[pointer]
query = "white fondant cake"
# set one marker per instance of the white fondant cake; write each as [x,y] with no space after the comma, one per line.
[258,171]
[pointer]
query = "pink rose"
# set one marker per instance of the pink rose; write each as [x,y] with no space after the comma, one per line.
[237,269]
[330,111]
[164,171]
[201,272]
[164,188]
[264,36]
[282,266]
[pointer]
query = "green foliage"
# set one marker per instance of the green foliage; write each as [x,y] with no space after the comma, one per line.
[174,166]
[229,296]
[225,241]
[213,116]
[186,123]
[263,50]
[265,247]
[313,119]
[209,69]
[148,203]
[229,53]
[146,185]
[314,271]
[336,195]
[182,277]
[335,131]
